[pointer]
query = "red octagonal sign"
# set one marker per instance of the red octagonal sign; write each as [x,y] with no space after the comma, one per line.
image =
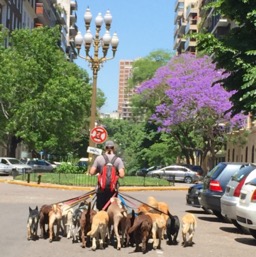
[99,135]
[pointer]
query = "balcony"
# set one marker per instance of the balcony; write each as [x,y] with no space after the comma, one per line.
[73,18]
[179,4]
[192,9]
[42,14]
[191,26]
[190,43]
[179,15]
[73,30]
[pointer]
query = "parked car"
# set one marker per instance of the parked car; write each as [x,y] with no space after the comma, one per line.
[143,172]
[176,172]
[230,198]
[5,169]
[246,207]
[17,166]
[41,165]
[214,184]
[192,197]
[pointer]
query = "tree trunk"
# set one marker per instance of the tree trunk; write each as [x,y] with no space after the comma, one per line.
[12,146]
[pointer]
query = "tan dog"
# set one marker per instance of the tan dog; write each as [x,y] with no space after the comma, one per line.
[158,218]
[99,229]
[55,216]
[188,228]
[66,220]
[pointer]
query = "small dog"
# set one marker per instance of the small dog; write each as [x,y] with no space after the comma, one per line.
[66,220]
[172,229]
[32,223]
[55,216]
[141,231]
[188,228]
[99,229]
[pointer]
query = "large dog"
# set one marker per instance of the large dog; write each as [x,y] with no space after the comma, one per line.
[55,216]
[32,223]
[140,231]
[188,229]
[99,229]
[117,218]
[159,220]
[172,229]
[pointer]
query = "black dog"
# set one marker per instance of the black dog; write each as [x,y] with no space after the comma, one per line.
[172,229]
[32,223]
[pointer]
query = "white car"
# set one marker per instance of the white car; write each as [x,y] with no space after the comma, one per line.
[230,198]
[246,207]
[175,172]
[5,169]
[16,165]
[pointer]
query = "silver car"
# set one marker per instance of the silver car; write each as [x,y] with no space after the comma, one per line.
[17,166]
[230,198]
[5,169]
[175,172]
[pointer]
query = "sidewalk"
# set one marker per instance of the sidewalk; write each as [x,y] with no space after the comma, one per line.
[177,186]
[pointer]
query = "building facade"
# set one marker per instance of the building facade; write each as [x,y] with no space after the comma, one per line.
[124,93]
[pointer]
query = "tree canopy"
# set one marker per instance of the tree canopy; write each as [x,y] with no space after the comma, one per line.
[235,51]
[189,107]
[44,99]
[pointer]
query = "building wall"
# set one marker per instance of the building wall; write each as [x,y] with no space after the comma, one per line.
[124,94]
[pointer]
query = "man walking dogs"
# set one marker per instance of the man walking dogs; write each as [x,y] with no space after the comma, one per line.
[110,168]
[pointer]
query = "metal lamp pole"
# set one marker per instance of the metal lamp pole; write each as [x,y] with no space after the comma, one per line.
[94,60]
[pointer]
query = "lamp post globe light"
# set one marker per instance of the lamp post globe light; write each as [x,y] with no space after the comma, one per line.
[95,61]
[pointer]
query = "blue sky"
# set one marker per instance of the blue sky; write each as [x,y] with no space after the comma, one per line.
[142,26]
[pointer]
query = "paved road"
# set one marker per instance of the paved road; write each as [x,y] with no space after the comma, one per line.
[212,237]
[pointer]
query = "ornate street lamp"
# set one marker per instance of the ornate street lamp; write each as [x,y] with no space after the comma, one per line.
[94,60]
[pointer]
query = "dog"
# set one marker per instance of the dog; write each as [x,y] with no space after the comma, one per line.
[141,231]
[172,229]
[66,220]
[44,219]
[32,223]
[55,216]
[99,229]
[158,218]
[117,217]
[188,229]
[75,227]
[125,225]
[85,224]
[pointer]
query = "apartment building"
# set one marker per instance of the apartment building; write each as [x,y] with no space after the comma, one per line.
[124,93]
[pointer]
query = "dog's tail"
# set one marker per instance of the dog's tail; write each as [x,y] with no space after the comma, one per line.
[93,230]
[137,223]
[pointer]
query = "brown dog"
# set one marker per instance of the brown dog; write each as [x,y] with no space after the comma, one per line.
[99,229]
[86,223]
[44,219]
[55,216]
[188,228]
[141,231]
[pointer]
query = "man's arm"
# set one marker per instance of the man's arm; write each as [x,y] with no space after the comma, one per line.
[121,173]
[93,170]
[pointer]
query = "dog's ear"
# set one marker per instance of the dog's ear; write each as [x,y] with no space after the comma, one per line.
[30,210]
[170,215]
[37,208]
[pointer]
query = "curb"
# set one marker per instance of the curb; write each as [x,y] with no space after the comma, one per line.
[63,187]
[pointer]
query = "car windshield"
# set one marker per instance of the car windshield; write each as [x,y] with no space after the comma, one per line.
[244,172]
[14,161]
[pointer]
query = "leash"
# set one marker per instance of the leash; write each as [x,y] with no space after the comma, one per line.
[169,214]
[108,202]
[127,200]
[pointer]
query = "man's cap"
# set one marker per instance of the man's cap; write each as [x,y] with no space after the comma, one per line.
[109,144]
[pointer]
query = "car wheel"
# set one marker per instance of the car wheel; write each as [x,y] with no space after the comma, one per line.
[188,180]
[208,211]
[240,228]
[253,232]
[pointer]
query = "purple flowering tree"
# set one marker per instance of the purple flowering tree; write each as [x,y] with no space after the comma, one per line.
[192,105]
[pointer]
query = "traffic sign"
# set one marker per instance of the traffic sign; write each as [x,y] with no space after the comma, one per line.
[94,150]
[99,135]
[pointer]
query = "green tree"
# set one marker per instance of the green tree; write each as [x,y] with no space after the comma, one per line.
[235,51]
[44,99]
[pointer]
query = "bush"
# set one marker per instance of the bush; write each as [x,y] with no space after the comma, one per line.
[68,168]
